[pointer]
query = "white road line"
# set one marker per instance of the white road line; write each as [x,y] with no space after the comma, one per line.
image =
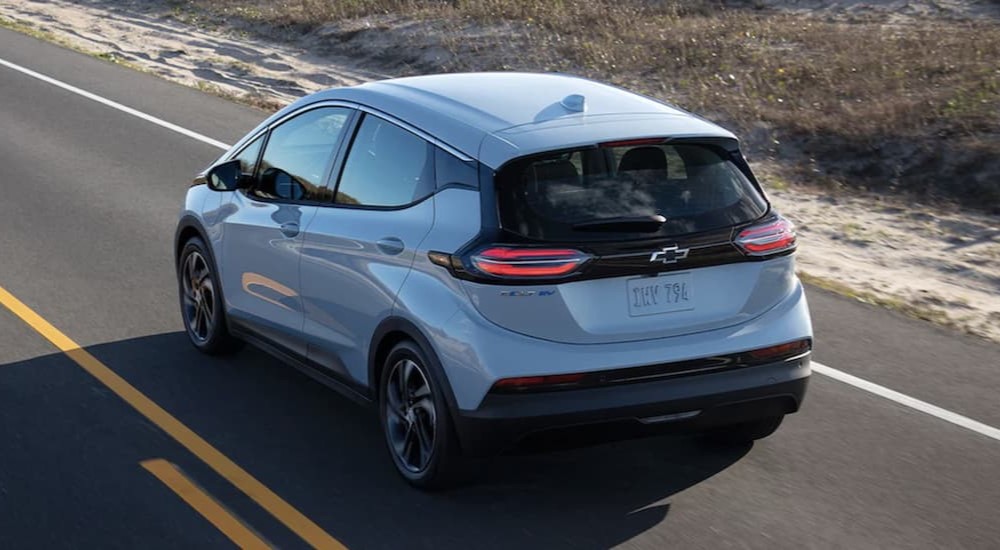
[115,105]
[906,400]
[859,383]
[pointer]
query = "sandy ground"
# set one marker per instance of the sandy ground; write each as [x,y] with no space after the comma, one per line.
[937,262]
[942,262]
[164,46]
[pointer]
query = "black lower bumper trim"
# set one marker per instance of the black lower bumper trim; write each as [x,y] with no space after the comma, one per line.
[504,422]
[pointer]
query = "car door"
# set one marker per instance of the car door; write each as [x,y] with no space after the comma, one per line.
[262,237]
[359,248]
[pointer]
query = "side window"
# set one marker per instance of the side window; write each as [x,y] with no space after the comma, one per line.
[248,156]
[386,166]
[298,155]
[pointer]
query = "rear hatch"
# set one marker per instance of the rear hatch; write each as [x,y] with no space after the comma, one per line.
[628,241]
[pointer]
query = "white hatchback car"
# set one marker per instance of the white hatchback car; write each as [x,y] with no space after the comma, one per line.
[487,258]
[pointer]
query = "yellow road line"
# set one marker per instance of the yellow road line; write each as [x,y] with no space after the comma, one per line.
[267,499]
[203,504]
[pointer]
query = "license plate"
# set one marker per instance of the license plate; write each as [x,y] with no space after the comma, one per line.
[663,294]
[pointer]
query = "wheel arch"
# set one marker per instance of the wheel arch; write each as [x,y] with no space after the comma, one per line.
[390,332]
[187,228]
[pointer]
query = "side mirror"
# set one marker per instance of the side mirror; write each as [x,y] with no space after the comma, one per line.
[227,176]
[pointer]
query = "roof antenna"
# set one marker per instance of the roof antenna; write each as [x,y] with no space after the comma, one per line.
[575,102]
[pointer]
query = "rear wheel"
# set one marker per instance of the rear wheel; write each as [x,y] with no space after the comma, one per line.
[416,420]
[201,301]
[746,432]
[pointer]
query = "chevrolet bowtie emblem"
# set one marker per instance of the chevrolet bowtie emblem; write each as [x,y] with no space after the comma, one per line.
[669,255]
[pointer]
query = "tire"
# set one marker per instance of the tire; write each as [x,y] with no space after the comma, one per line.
[201,301]
[747,432]
[416,420]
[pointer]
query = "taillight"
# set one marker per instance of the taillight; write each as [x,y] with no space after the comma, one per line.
[502,261]
[771,237]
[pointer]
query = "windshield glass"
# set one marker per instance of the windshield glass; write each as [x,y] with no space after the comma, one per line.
[695,187]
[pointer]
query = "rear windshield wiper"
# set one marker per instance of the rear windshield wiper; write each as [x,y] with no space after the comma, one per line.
[637,224]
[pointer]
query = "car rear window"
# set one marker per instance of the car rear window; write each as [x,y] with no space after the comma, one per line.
[695,187]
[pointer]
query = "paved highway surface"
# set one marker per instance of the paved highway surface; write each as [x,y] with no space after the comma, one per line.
[88,206]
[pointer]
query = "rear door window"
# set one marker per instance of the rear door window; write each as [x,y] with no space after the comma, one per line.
[695,187]
[387,166]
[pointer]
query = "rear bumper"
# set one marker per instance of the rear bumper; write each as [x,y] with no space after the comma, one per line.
[691,403]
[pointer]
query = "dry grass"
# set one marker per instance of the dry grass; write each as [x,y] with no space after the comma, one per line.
[924,313]
[910,106]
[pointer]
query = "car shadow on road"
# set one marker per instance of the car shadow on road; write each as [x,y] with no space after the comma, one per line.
[324,454]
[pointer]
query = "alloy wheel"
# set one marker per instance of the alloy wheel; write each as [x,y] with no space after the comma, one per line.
[411,417]
[199,297]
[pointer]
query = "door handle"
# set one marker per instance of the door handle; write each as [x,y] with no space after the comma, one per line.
[289,229]
[390,245]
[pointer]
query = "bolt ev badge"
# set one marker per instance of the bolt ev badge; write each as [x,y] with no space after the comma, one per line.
[669,255]
[522,293]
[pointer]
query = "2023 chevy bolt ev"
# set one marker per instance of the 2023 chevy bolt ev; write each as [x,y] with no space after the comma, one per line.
[490,257]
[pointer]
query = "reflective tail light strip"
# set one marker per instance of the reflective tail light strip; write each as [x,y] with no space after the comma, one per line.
[499,261]
[773,354]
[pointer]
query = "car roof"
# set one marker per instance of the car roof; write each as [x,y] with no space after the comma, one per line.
[495,117]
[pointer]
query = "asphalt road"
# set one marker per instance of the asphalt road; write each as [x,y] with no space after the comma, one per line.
[88,206]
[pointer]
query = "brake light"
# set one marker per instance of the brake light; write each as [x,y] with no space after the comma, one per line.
[632,142]
[500,261]
[536,382]
[772,237]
